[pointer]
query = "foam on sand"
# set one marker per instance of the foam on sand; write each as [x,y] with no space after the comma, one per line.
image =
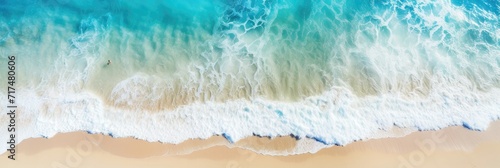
[321,71]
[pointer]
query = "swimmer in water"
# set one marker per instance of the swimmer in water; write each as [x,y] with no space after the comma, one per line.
[109,62]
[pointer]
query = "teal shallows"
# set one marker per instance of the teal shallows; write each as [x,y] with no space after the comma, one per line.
[277,49]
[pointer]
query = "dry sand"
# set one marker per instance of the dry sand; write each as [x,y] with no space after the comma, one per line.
[450,147]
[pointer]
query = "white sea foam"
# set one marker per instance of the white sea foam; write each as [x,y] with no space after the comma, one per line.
[336,117]
[433,68]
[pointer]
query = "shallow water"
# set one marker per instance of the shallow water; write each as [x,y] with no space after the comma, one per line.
[333,71]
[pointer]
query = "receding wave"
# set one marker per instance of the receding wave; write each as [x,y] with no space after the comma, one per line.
[330,71]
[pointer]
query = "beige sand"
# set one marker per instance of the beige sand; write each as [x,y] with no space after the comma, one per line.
[450,147]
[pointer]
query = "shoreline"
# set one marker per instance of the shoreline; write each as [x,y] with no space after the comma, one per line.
[76,149]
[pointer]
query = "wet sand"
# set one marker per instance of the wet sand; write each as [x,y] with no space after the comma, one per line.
[450,147]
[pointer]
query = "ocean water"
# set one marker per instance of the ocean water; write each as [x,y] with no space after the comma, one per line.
[331,71]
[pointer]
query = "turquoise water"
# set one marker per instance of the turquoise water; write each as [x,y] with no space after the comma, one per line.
[283,50]
[170,54]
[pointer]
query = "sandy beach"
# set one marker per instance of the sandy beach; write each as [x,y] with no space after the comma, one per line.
[250,83]
[449,147]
